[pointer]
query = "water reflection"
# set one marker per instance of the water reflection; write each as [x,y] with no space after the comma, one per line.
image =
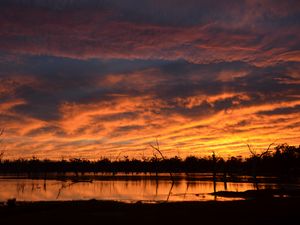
[141,189]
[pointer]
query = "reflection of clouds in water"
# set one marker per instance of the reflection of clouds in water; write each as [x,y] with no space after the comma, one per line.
[122,190]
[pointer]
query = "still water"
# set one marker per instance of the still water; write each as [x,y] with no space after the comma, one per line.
[128,189]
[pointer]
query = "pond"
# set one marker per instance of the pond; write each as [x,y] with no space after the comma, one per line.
[126,188]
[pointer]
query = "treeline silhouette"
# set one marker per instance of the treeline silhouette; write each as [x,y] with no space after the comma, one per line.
[283,160]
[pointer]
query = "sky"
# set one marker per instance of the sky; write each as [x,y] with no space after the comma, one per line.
[105,78]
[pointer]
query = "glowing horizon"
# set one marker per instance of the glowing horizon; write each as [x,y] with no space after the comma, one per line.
[100,78]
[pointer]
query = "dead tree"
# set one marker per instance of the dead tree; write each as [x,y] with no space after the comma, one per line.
[155,160]
[214,159]
[256,157]
[156,148]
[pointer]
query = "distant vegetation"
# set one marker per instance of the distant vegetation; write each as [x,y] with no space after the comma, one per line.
[283,161]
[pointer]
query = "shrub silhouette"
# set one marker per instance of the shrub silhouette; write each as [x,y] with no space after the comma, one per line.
[283,161]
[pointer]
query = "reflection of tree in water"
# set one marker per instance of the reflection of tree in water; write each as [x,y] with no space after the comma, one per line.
[20,187]
[35,187]
[65,184]
[183,189]
[187,188]
[45,185]
[156,186]
[170,191]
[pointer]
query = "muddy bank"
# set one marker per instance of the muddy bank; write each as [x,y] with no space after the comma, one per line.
[260,211]
[261,194]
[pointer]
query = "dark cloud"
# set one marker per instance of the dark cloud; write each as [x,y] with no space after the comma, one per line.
[60,80]
[125,130]
[115,117]
[105,69]
[179,12]
[39,103]
[281,111]
[198,31]
[49,129]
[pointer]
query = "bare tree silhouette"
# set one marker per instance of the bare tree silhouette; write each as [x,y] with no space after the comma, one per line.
[214,172]
[256,158]
[162,156]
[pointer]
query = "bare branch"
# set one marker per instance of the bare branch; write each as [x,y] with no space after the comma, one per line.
[157,144]
[257,155]
[118,156]
[251,151]
[267,151]
[157,149]
[162,156]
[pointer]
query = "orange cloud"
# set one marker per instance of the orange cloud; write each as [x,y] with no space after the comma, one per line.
[109,79]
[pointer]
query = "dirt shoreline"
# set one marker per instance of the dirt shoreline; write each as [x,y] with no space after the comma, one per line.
[260,211]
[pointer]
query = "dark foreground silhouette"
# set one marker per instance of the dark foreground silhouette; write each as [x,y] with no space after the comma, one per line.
[282,161]
[270,211]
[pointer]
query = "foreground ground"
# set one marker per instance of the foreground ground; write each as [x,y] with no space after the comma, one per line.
[254,212]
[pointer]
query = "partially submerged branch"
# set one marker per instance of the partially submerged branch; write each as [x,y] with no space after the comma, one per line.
[66,185]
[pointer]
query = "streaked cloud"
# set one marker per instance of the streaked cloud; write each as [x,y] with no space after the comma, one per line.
[100,78]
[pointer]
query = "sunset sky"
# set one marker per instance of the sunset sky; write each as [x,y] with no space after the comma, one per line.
[102,78]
